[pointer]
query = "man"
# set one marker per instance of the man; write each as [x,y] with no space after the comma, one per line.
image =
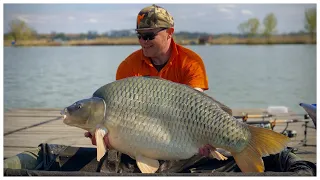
[160,55]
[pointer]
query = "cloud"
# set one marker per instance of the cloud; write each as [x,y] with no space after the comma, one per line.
[23,18]
[246,12]
[46,17]
[229,17]
[34,18]
[92,20]
[200,14]
[71,18]
[230,6]
[203,13]
[225,10]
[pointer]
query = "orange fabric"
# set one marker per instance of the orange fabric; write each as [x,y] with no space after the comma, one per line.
[139,18]
[184,66]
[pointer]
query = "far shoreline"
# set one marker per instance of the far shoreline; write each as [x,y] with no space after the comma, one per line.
[226,40]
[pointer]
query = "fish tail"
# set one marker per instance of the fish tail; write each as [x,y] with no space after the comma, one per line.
[263,142]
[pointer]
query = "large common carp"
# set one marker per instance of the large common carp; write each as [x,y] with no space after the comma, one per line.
[153,119]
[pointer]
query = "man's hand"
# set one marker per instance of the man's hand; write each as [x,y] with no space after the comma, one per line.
[199,89]
[94,142]
[89,135]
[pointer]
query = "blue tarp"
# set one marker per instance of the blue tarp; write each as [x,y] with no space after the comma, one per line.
[311,109]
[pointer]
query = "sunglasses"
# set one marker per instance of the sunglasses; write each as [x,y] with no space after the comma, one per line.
[149,35]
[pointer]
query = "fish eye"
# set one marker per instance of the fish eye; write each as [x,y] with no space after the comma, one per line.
[77,105]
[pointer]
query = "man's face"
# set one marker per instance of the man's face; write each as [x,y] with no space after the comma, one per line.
[153,42]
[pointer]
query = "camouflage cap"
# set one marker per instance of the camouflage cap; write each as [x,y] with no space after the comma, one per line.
[154,17]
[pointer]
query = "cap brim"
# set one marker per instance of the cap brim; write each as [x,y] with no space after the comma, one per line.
[141,29]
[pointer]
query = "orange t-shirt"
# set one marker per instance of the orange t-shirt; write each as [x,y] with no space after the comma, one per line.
[184,66]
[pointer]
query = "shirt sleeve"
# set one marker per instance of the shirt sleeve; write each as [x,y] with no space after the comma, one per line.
[195,74]
[123,71]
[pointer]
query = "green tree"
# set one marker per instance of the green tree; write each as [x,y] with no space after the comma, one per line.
[19,30]
[244,28]
[310,23]
[270,24]
[249,27]
[253,24]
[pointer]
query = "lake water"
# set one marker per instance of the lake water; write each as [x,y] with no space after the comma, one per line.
[240,76]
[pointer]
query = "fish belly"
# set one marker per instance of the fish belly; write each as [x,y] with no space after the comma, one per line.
[151,146]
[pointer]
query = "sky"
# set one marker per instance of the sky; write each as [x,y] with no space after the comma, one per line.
[209,17]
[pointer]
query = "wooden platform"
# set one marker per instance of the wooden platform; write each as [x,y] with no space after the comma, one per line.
[46,126]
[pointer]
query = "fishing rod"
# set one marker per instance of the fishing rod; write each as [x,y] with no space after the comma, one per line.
[31,126]
[272,111]
[277,121]
[246,116]
[270,124]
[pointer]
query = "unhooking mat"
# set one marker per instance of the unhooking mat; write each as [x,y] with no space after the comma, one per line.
[60,160]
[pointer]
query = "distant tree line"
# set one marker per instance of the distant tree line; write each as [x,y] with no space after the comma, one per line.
[19,30]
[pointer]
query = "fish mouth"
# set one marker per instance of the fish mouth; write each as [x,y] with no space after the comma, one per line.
[69,120]
[64,113]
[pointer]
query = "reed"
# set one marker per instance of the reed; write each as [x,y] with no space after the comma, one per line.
[263,40]
[42,42]
[104,41]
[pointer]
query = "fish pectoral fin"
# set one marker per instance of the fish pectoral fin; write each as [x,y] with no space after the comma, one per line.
[147,165]
[101,146]
[217,155]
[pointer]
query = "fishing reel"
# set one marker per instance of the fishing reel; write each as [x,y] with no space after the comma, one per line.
[290,133]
